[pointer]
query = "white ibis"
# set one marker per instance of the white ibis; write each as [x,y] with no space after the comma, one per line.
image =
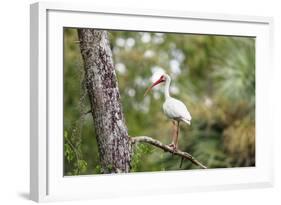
[173,108]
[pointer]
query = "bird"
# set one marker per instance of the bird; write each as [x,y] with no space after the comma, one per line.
[173,108]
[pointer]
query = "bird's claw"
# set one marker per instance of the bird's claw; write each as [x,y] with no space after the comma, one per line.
[173,146]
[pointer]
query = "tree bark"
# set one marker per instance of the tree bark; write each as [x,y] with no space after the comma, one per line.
[102,87]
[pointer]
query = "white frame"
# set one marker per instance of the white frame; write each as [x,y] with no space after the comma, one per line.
[47,182]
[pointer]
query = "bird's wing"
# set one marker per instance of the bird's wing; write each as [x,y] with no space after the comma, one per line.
[174,108]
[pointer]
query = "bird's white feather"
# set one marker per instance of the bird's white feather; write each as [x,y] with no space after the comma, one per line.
[176,110]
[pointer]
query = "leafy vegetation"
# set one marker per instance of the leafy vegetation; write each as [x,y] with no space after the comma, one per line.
[213,75]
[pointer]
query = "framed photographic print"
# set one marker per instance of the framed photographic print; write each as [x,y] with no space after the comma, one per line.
[123,97]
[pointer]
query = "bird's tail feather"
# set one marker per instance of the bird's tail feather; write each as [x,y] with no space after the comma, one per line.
[187,121]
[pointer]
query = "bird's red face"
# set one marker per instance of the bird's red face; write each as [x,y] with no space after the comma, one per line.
[160,80]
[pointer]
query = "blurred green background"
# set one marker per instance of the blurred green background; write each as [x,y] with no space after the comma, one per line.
[213,75]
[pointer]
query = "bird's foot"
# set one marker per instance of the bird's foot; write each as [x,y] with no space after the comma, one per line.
[173,146]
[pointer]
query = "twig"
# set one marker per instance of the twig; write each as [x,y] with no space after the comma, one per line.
[156,143]
[181,161]
[89,111]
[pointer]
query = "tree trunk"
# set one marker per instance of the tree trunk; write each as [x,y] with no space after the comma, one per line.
[102,87]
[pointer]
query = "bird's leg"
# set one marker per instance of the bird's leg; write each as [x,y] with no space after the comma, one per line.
[177,135]
[174,133]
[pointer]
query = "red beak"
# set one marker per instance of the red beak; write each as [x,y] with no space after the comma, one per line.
[154,84]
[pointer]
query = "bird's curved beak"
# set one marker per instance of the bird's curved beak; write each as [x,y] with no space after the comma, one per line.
[160,80]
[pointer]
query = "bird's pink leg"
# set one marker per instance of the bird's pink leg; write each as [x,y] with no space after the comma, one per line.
[174,135]
[177,135]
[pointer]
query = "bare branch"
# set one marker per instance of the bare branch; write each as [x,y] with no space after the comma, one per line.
[88,112]
[156,143]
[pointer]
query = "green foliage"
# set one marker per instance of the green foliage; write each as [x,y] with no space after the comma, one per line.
[72,155]
[213,75]
[98,169]
[140,151]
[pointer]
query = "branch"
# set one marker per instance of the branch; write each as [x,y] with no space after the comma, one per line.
[166,148]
